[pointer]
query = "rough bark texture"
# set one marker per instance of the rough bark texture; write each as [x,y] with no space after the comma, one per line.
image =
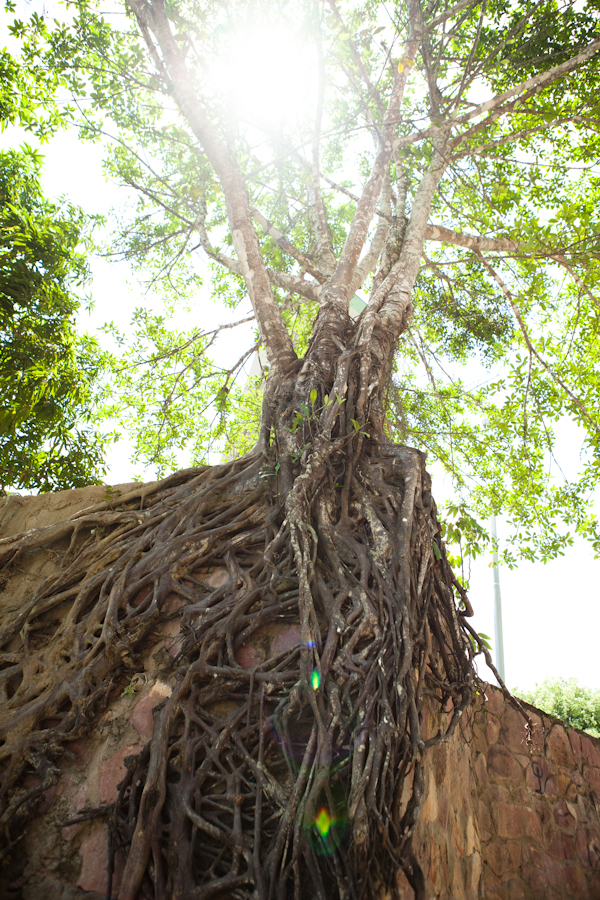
[325,527]
[499,817]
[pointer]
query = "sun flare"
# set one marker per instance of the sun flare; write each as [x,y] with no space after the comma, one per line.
[268,75]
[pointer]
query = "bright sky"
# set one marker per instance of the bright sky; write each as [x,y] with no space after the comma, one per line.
[551,612]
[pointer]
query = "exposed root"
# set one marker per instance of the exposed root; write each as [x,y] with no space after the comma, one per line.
[284,780]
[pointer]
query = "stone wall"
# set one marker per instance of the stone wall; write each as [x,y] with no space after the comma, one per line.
[500,820]
[505,821]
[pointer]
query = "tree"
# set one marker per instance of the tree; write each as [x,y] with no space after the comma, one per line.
[47,371]
[326,522]
[565,698]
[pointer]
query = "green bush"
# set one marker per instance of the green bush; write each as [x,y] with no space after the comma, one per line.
[565,698]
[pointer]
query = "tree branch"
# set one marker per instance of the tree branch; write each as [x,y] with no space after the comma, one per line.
[559,258]
[543,79]
[338,289]
[288,247]
[470,241]
[522,327]
[152,18]
[289,283]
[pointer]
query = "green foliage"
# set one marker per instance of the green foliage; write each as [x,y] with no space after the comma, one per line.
[47,371]
[503,351]
[28,89]
[566,699]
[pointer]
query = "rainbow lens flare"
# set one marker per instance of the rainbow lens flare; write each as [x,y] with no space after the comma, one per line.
[326,831]
[323,822]
[315,679]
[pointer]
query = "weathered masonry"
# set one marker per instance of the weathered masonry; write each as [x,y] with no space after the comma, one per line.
[500,820]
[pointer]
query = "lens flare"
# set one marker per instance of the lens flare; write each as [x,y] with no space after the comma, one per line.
[315,679]
[323,822]
[326,830]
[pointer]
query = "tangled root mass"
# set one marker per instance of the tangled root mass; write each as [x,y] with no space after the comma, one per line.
[302,776]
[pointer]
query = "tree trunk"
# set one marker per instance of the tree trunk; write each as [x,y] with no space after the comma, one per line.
[282,779]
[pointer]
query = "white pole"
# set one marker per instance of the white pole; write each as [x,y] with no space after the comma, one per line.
[498,608]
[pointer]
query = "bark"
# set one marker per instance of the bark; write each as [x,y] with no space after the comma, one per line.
[295,791]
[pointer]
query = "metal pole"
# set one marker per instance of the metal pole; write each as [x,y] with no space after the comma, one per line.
[498,608]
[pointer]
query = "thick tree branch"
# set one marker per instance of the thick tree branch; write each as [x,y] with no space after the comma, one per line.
[369,261]
[275,337]
[289,283]
[470,241]
[559,258]
[542,80]
[443,17]
[338,289]
[325,252]
[288,247]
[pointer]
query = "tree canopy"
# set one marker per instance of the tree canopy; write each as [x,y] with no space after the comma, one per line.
[575,704]
[501,349]
[47,371]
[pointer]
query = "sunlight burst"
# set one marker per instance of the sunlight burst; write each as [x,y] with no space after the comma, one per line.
[268,75]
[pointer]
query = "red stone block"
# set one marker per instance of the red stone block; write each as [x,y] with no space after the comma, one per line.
[516,889]
[594,884]
[574,881]
[173,602]
[540,777]
[433,867]
[443,807]
[481,769]
[589,750]
[249,656]
[173,636]
[141,716]
[560,844]
[562,815]
[286,637]
[479,742]
[575,745]
[439,761]
[592,776]
[532,857]
[509,820]
[514,848]
[213,578]
[531,824]
[498,859]
[112,772]
[93,875]
[537,883]
[494,700]
[514,731]
[503,763]
[583,840]
[559,747]
[492,730]
[484,818]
